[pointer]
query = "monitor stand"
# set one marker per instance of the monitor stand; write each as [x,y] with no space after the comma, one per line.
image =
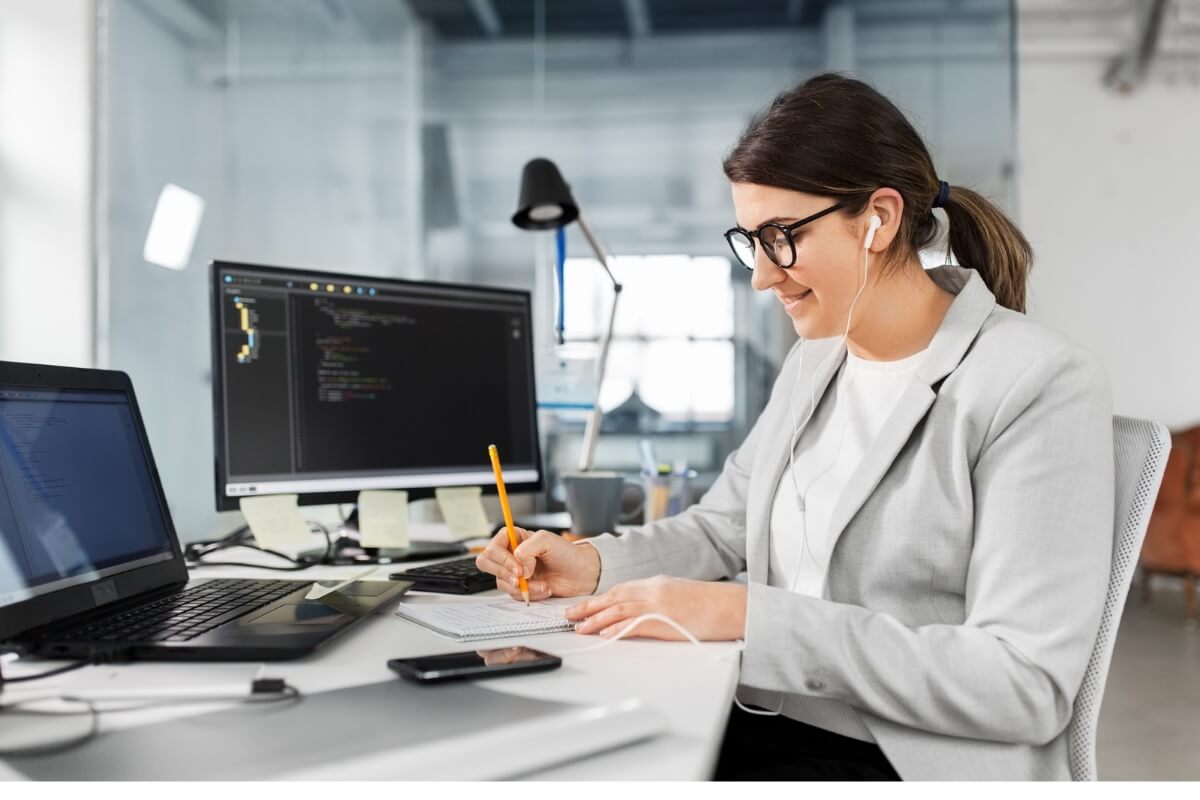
[348,551]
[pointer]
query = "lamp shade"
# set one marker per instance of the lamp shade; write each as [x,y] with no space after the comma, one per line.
[546,202]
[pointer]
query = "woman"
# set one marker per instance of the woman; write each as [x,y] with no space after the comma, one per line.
[924,507]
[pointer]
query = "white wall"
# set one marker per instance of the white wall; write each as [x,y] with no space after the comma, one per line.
[1108,199]
[47,58]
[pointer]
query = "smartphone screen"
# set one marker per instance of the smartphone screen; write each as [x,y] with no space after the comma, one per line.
[475,664]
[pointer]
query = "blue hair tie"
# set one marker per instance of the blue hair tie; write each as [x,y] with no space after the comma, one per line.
[942,195]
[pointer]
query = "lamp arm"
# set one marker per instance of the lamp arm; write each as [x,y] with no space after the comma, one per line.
[592,431]
[597,249]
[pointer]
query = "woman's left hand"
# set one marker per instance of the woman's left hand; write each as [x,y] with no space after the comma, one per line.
[711,611]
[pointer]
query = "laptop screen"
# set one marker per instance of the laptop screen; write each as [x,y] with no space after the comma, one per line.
[77,499]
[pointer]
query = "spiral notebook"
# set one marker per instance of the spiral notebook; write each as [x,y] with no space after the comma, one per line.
[492,619]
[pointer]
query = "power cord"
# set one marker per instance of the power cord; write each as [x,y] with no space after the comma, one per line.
[196,551]
[94,658]
[262,690]
[40,675]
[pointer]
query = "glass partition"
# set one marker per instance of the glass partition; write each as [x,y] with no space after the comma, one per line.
[384,137]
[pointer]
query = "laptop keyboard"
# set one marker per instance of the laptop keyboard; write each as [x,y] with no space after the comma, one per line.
[184,616]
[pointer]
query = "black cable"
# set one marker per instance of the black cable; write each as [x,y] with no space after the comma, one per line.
[277,690]
[195,551]
[47,674]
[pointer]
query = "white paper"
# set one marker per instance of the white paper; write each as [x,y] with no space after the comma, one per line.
[490,619]
[383,519]
[275,520]
[462,508]
[322,588]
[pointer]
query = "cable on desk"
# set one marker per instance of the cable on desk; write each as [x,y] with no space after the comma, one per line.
[94,657]
[262,690]
[196,551]
[47,674]
[636,621]
[52,748]
[628,629]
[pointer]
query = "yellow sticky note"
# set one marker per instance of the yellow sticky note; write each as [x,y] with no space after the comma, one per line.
[383,519]
[275,520]
[462,508]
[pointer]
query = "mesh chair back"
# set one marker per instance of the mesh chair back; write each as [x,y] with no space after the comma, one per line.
[1140,448]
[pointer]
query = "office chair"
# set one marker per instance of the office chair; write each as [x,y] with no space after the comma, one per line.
[1140,448]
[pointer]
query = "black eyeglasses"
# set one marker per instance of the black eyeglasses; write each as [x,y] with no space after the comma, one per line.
[777,241]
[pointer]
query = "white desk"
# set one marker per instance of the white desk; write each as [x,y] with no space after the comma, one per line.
[692,691]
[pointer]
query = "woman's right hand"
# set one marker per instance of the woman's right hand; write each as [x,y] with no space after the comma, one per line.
[553,566]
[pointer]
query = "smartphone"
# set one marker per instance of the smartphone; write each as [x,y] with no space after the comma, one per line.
[474,664]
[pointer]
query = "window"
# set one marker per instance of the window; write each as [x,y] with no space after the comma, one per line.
[673,341]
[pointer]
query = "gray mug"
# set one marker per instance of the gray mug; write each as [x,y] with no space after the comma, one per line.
[594,501]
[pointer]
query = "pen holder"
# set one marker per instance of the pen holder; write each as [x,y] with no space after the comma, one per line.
[667,495]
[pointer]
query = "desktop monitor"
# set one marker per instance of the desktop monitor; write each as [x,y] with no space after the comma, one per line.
[326,384]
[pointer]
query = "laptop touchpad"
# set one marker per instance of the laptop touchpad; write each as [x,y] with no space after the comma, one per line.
[296,614]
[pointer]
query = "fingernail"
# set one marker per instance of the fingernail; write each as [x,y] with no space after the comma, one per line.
[579,627]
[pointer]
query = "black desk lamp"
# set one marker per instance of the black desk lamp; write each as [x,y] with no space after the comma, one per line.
[546,204]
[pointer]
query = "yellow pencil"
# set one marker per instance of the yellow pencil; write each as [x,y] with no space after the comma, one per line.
[512,534]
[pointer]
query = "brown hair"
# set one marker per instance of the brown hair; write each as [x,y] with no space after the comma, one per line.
[837,137]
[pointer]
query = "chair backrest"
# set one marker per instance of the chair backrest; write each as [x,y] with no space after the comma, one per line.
[1140,448]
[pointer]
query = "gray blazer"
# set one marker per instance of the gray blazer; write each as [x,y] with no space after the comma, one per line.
[972,552]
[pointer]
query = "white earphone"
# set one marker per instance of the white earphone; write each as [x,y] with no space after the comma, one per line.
[875,224]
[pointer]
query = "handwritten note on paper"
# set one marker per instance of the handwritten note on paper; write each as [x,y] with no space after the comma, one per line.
[462,508]
[383,519]
[275,520]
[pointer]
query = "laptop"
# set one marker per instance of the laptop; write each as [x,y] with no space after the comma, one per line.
[90,564]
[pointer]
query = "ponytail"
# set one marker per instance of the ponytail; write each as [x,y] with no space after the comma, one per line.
[984,239]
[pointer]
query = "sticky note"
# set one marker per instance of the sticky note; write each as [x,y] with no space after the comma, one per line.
[462,508]
[322,588]
[275,520]
[383,519]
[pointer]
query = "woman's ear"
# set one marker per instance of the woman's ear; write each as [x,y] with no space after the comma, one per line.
[888,205]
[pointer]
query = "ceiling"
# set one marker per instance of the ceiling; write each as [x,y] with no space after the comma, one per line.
[476,19]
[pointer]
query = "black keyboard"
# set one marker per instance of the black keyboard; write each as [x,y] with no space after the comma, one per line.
[459,576]
[180,617]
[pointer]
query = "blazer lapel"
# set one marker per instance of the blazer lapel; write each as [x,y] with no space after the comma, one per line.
[909,411]
[964,319]
[962,323]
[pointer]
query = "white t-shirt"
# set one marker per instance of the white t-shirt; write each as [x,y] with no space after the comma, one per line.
[847,420]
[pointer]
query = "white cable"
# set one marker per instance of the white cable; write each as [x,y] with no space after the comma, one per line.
[801,498]
[636,621]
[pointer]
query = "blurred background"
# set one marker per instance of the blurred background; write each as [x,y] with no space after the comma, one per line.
[386,137]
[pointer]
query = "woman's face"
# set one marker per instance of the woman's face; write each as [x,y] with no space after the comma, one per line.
[817,290]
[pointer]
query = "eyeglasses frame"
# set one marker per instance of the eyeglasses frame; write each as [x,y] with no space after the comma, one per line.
[787,234]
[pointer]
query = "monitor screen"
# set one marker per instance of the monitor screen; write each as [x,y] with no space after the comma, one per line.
[77,497]
[327,384]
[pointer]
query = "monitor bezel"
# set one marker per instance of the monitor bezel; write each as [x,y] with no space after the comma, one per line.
[229,503]
[37,612]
